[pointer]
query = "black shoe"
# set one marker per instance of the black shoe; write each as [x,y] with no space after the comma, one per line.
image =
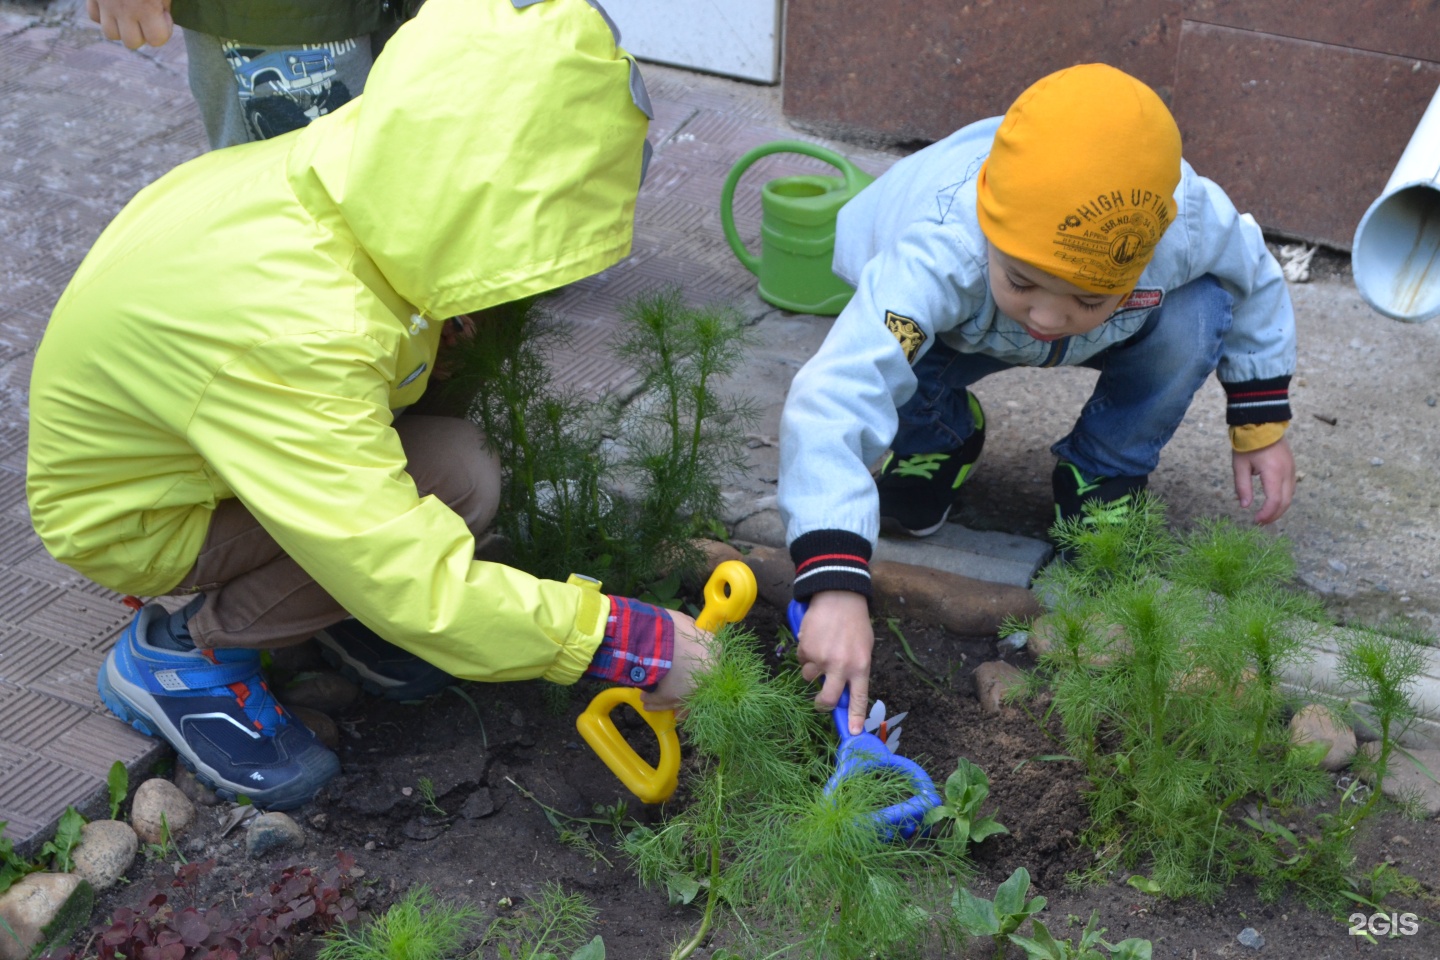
[917,492]
[1073,489]
[379,666]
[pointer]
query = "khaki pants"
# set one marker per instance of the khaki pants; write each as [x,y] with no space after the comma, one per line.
[257,597]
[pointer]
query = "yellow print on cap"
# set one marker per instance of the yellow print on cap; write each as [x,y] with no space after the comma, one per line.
[908,332]
[1105,235]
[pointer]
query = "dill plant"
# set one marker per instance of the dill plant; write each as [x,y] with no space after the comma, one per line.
[420,926]
[1169,650]
[760,838]
[613,488]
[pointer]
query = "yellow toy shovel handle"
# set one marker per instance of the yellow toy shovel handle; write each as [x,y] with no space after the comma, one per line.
[729,594]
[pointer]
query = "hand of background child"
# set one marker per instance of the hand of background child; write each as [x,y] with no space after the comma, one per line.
[835,641]
[134,23]
[689,656]
[1275,466]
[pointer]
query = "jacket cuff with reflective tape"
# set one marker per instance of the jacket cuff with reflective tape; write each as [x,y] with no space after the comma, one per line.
[1257,401]
[831,560]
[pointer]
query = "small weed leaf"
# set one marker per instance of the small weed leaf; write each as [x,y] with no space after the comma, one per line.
[594,950]
[1145,885]
[1132,949]
[67,837]
[118,785]
[978,917]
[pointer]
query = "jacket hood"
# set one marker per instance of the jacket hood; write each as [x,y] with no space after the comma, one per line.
[495,154]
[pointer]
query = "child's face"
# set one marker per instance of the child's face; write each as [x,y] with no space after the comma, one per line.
[1046,306]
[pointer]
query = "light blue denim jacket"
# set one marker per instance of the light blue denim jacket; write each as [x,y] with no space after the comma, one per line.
[911,244]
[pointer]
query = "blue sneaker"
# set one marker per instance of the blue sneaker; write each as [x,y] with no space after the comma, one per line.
[377,665]
[214,708]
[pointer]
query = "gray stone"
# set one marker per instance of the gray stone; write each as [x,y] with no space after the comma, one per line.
[297,658]
[160,805]
[992,681]
[1250,937]
[977,554]
[422,828]
[191,786]
[320,724]
[272,833]
[31,905]
[1314,723]
[478,804]
[105,852]
[1411,778]
[323,691]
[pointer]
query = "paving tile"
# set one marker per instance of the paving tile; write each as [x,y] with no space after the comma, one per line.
[71,678]
[31,720]
[21,596]
[94,744]
[78,619]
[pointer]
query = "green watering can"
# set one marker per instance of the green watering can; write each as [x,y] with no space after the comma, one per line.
[797,230]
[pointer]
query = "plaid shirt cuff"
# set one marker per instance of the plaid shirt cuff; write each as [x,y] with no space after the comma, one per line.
[638,647]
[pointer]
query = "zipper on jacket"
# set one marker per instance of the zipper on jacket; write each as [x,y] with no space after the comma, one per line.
[1057,352]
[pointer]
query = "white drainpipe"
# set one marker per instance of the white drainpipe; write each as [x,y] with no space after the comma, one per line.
[1396,254]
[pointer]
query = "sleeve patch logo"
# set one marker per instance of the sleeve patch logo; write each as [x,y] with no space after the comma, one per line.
[908,332]
[1142,300]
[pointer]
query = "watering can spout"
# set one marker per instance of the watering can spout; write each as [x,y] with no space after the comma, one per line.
[797,229]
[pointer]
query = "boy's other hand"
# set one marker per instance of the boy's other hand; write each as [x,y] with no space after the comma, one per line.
[1275,466]
[836,641]
[690,654]
[134,23]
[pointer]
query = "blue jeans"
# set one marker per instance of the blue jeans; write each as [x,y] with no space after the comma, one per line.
[1146,385]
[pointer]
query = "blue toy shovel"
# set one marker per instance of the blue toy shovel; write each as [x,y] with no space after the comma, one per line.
[861,752]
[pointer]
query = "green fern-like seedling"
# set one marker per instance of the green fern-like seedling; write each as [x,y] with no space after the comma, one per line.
[1166,675]
[615,489]
[553,924]
[419,927]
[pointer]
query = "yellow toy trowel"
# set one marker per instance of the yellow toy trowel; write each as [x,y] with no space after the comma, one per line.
[729,594]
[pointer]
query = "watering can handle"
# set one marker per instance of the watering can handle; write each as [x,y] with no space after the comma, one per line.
[729,594]
[727,192]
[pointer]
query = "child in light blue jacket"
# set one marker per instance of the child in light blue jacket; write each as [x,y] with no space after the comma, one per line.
[1069,231]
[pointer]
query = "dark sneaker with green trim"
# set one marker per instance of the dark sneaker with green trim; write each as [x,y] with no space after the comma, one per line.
[377,665]
[1073,489]
[917,492]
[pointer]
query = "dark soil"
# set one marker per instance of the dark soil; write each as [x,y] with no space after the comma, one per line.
[492,843]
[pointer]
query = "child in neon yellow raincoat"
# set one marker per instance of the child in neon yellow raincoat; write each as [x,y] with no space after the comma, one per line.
[212,405]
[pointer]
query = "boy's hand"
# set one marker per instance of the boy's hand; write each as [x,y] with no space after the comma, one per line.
[689,656]
[133,22]
[836,641]
[1275,466]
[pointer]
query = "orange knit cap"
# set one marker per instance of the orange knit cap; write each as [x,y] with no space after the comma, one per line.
[1081,180]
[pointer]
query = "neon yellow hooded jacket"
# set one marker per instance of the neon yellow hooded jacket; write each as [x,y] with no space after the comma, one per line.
[248,322]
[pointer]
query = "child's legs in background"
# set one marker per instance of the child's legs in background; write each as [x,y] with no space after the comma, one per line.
[230,119]
[937,418]
[1146,383]
[257,597]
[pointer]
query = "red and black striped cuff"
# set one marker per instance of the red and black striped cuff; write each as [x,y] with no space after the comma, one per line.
[1257,401]
[831,560]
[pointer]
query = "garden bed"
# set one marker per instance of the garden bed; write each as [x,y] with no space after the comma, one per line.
[494,847]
